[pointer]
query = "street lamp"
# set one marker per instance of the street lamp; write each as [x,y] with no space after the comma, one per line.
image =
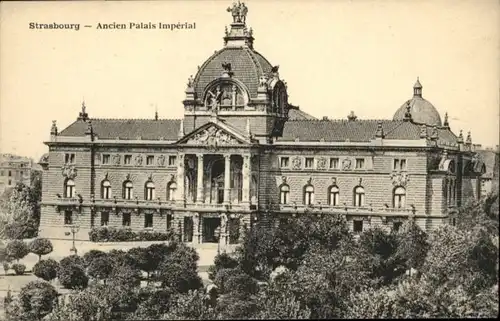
[74,230]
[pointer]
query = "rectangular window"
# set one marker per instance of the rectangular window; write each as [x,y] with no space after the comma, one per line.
[396,226]
[104,218]
[360,163]
[357,226]
[10,173]
[454,221]
[309,162]
[150,160]
[69,158]
[399,164]
[172,160]
[21,173]
[148,220]
[284,162]
[127,159]
[10,182]
[334,163]
[126,219]
[105,159]
[68,217]
[169,221]
[402,165]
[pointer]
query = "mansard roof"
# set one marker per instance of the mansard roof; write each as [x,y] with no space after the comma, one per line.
[147,129]
[359,131]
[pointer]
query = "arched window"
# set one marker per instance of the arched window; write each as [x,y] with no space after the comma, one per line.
[106,189]
[284,194]
[399,197]
[308,195]
[359,196]
[69,188]
[171,189]
[149,193]
[128,190]
[333,196]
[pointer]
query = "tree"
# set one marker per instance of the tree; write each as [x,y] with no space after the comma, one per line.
[480,214]
[467,258]
[378,250]
[263,250]
[22,207]
[280,305]
[91,255]
[100,268]
[37,298]
[17,250]
[46,269]
[221,261]
[412,246]
[192,305]
[71,273]
[178,277]
[412,298]
[40,246]
[153,304]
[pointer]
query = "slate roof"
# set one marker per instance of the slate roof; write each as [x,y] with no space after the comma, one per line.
[247,66]
[357,131]
[297,114]
[148,129]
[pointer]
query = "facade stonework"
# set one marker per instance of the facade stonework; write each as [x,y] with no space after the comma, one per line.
[243,157]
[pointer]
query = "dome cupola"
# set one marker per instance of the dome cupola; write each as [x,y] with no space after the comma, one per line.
[418,109]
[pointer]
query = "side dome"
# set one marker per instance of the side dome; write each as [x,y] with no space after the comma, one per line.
[421,110]
[246,65]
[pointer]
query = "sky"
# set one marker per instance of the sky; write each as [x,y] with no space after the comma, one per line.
[336,56]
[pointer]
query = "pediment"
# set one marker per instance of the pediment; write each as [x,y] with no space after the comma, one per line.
[214,135]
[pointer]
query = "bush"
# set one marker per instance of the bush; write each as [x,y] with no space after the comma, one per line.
[40,247]
[91,255]
[100,268]
[19,268]
[17,250]
[37,298]
[46,269]
[178,277]
[221,261]
[71,273]
[111,234]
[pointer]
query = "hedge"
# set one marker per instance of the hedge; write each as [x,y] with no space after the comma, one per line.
[111,234]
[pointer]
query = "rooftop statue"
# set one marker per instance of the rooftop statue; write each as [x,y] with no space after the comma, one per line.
[239,12]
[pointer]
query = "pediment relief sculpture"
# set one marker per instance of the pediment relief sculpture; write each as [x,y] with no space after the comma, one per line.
[213,137]
[224,95]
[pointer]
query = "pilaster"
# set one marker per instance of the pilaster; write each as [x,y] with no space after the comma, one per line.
[227,176]
[199,181]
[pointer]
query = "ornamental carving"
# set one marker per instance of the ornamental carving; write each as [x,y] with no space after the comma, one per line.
[297,163]
[213,137]
[69,171]
[346,164]
[400,179]
[116,159]
[321,163]
[138,160]
[161,160]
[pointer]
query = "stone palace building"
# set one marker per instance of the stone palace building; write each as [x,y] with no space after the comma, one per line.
[243,157]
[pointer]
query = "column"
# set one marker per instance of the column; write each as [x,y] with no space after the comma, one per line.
[199,181]
[246,179]
[227,176]
[180,179]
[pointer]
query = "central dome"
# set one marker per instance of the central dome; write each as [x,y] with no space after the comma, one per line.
[247,65]
[421,110]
